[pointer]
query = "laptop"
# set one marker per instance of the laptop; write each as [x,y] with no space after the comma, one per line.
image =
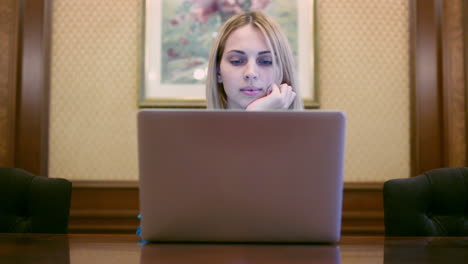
[238,176]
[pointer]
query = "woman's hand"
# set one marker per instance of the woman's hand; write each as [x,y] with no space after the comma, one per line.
[279,98]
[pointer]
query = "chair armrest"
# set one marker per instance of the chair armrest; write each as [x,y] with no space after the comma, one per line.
[405,203]
[50,204]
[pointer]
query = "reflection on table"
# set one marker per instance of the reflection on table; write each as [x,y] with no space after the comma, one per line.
[45,248]
[239,254]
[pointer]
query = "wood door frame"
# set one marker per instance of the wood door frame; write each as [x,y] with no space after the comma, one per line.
[425,76]
[433,87]
[33,86]
[11,84]
[465,41]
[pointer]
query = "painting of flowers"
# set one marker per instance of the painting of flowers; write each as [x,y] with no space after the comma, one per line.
[179,36]
[189,28]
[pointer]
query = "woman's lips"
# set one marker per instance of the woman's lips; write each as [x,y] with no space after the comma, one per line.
[251,90]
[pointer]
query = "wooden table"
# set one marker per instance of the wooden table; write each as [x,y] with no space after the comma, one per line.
[74,248]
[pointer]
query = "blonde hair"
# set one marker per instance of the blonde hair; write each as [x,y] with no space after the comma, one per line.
[282,56]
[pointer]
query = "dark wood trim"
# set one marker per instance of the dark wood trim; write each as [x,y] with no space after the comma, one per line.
[32,105]
[438,84]
[11,88]
[453,88]
[426,78]
[465,44]
[414,143]
[104,207]
[112,207]
[105,184]
[363,209]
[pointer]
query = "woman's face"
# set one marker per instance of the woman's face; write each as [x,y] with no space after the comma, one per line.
[246,67]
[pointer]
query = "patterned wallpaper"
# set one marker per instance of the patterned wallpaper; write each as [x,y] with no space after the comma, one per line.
[364,71]
[96,55]
[96,64]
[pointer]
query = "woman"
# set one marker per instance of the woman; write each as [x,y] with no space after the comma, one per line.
[251,67]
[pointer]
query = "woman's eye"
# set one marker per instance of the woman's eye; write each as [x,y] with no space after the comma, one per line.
[236,61]
[265,61]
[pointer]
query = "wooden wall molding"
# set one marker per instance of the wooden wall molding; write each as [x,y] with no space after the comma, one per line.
[465,44]
[8,62]
[426,77]
[33,82]
[438,85]
[453,69]
[363,209]
[104,207]
[112,207]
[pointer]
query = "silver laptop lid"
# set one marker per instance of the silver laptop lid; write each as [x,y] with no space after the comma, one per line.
[241,176]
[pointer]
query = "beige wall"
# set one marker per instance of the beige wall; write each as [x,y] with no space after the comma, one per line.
[96,73]
[364,70]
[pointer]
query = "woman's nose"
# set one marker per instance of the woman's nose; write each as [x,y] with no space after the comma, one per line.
[251,72]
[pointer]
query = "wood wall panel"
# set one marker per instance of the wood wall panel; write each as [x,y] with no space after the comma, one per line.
[453,84]
[363,209]
[426,77]
[465,65]
[104,207]
[8,42]
[32,105]
[438,85]
[112,207]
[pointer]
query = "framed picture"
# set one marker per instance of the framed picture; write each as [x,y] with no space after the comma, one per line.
[179,35]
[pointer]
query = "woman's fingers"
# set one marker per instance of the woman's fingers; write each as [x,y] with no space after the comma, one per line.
[291,99]
[288,95]
[284,88]
[275,89]
[278,97]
